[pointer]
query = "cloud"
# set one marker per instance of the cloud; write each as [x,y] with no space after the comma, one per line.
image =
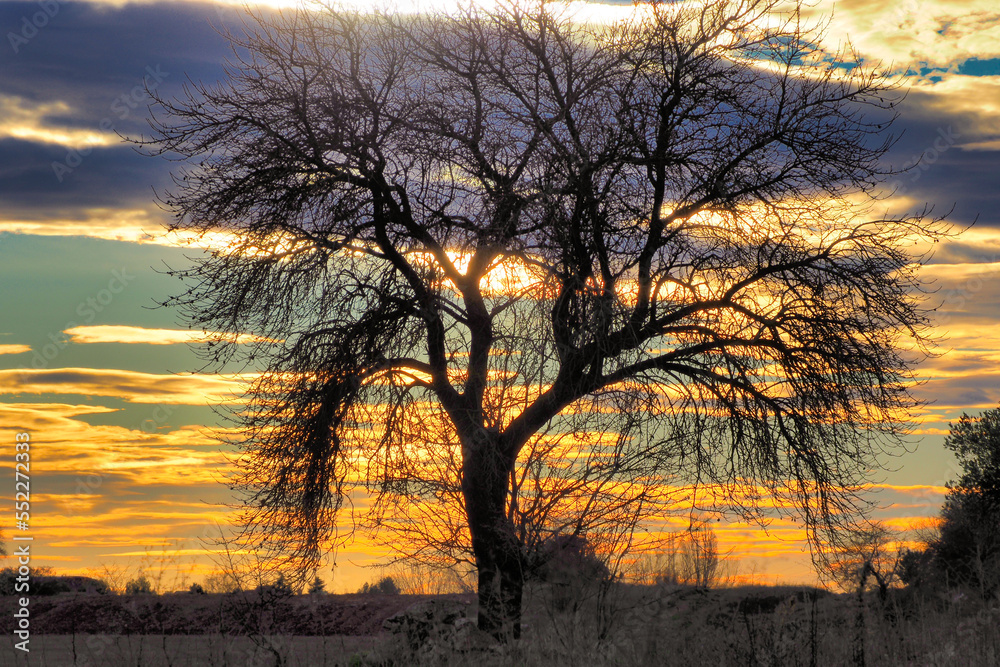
[973,102]
[971,391]
[130,334]
[974,250]
[915,33]
[946,57]
[128,223]
[131,386]
[111,224]
[43,416]
[14,348]
[141,493]
[31,121]
[921,490]
[64,102]
[131,486]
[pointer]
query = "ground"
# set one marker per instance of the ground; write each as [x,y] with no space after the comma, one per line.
[593,626]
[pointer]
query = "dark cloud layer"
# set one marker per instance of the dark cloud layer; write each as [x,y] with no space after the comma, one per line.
[96,60]
[90,55]
[938,169]
[42,180]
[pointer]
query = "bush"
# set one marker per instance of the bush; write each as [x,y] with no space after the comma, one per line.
[221,582]
[42,582]
[139,586]
[8,579]
[317,587]
[917,567]
[384,586]
[279,589]
[197,589]
[568,559]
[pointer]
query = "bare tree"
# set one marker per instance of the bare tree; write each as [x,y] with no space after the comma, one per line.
[690,557]
[863,558]
[501,256]
[702,555]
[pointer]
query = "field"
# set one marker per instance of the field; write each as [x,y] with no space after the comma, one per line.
[605,625]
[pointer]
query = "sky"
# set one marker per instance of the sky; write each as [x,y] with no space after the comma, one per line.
[126,472]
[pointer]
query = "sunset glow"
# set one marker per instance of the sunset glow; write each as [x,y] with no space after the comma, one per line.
[129,459]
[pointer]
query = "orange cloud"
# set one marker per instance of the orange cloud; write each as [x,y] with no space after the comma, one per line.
[14,349]
[132,386]
[109,488]
[911,489]
[135,225]
[128,334]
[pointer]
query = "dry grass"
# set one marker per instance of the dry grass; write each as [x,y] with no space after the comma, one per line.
[186,651]
[612,625]
[759,626]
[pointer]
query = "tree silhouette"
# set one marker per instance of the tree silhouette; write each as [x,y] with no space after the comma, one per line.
[867,557]
[966,548]
[498,257]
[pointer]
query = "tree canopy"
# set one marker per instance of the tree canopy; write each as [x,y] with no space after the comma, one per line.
[966,548]
[547,270]
[975,440]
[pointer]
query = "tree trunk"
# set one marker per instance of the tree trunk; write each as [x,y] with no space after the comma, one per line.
[859,621]
[485,474]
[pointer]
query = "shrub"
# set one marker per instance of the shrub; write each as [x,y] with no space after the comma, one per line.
[317,587]
[139,586]
[568,559]
[916,567]
[384,586]
[280,588]
[221,582]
